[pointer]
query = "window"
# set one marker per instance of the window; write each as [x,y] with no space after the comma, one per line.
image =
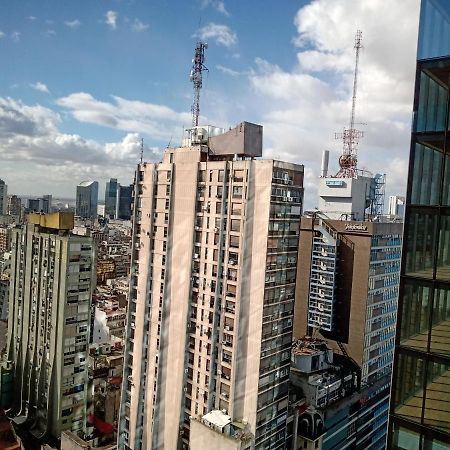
[426,175]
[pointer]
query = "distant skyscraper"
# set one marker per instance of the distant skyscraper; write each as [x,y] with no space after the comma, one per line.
[41,204]
[420,404]
[3,197]
[14,206]
[111,197]
[52,277]
[87,199]
[124,200]
[396,206]
[212,293]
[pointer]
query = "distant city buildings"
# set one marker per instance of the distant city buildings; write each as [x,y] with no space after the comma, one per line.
[52,278]
[210,315]
[87,199]
[3,197]
[41,204]
[420,404]
[118,199]
[14,207]
[111,198]
[396,206]
[124,200]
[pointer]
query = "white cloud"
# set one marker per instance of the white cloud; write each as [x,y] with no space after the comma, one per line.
[228,71]
[111,19]
[139,26]
[304,106]
[221,34]
[30,139]
[72,23]
[15,36]
[218,5]
[2,35]
[50,33]
[157,121]
[41,87]
[32,18]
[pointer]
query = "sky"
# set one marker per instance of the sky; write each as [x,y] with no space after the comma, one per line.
[82,82]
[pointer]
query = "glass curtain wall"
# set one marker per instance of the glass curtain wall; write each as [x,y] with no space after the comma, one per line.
[420,403]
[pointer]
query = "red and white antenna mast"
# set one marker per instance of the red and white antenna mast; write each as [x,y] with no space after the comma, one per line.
[349,159]
[196,77]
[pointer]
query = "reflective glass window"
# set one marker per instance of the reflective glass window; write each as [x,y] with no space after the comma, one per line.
[440,330]
[409,392]
[437,399]
[446,185]
[434,32]
[405,439]
[426,176]
[443,260]
[421,235]
[432,105]
[435,444]
[414,321]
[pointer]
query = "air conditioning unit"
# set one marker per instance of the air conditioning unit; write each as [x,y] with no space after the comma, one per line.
[205,208]
[216,229]
[284,199]
[290,199]
[197,228]
[231,262]
[196,255]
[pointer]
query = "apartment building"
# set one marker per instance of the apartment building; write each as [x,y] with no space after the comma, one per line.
[52,278]
[212,291]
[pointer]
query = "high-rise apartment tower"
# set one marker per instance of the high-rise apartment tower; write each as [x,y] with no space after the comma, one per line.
[212,293]
[52,278]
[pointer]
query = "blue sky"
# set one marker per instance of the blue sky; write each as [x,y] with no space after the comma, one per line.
[82,81]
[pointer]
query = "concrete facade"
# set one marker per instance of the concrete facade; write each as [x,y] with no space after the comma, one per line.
[52,278]
[211,299]
[346,198]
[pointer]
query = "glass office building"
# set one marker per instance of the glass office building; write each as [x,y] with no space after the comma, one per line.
[420,404]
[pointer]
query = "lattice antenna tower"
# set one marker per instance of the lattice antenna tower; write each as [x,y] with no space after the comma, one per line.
[142,150]
[198,67]
[348,161]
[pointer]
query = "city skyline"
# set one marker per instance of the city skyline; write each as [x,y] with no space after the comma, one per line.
[85,115]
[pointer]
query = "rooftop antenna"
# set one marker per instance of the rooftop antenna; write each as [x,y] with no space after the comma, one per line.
[142,150]
[196,77]
[349,159]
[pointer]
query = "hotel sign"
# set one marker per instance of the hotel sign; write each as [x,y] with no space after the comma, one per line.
[356,227]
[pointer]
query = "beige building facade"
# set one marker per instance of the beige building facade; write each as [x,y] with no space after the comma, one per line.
[213,283]
[52,278]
